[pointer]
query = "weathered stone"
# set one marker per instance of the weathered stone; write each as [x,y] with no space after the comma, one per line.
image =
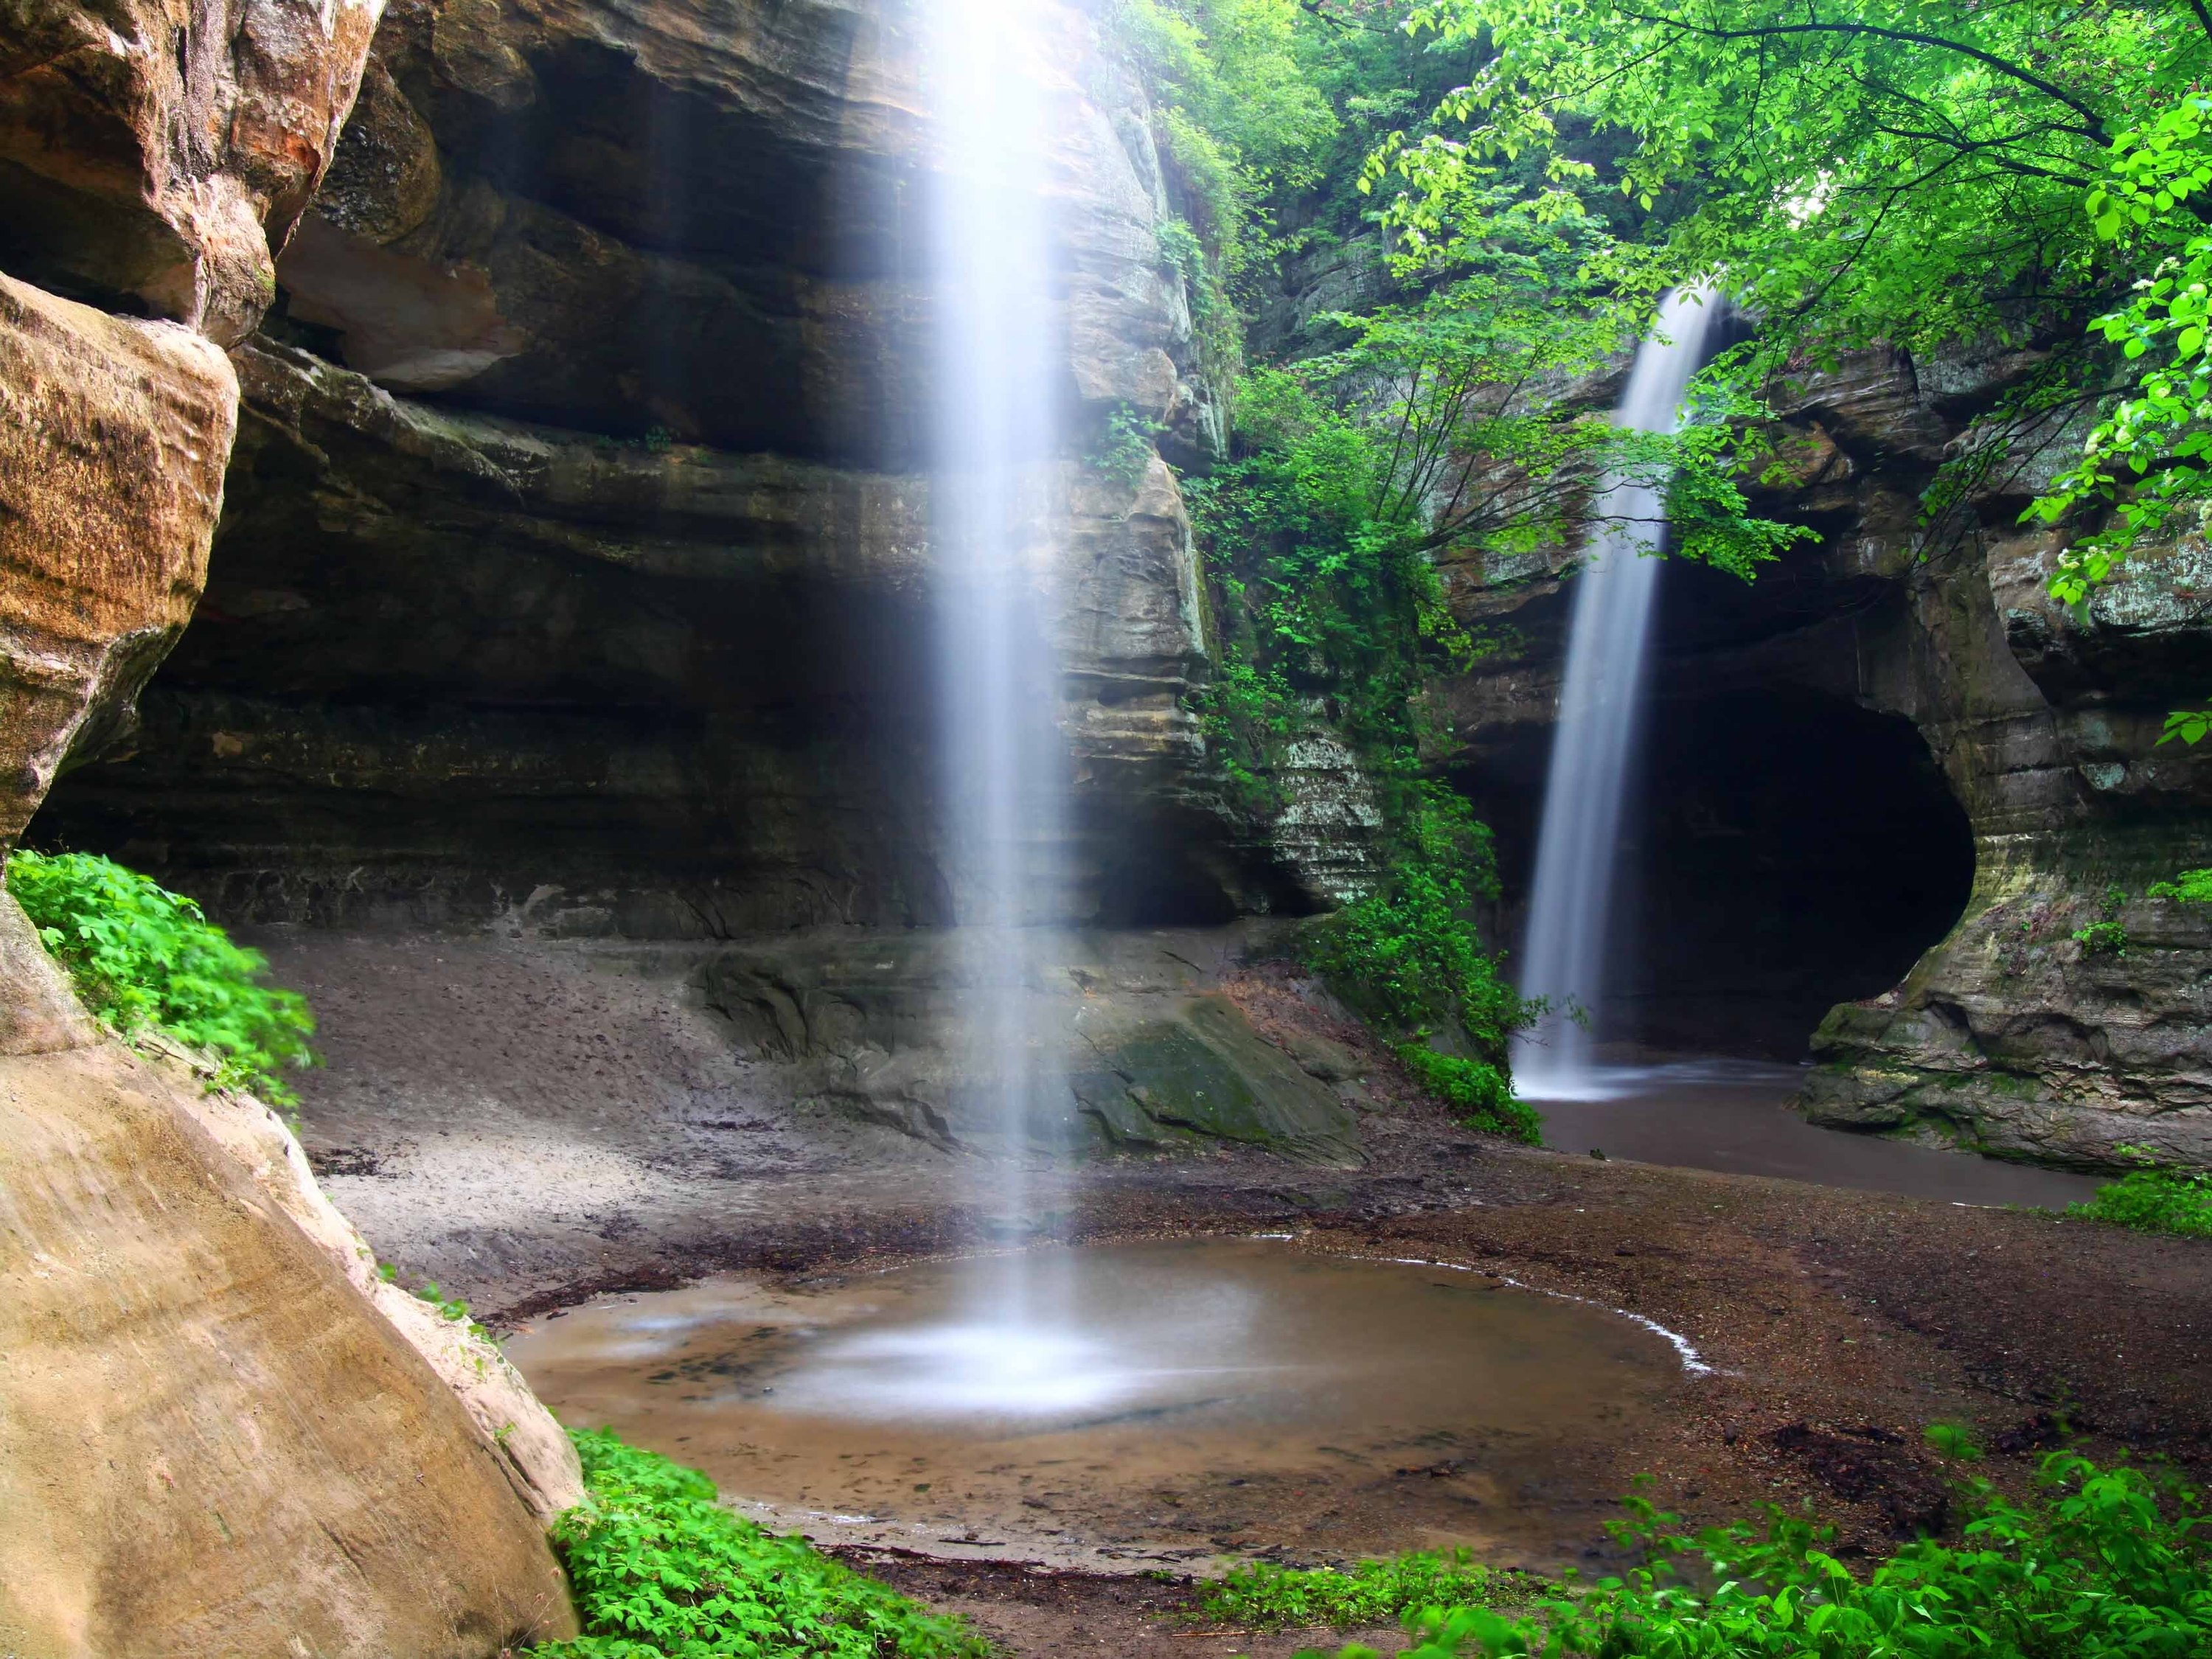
[114,435]
[159,153]
[209,1441]
[631,630]
[2008,1035]
[1147,1053]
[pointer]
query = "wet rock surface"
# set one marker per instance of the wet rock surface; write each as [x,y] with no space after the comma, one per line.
[594,385]
[2040,725]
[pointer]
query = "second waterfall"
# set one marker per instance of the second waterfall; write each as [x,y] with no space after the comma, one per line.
[1570,911]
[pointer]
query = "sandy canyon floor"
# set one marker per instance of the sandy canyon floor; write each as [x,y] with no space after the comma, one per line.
[534,1131]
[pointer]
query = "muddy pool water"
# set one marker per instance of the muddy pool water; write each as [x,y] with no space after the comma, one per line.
[1191,1398]
[1732,1115]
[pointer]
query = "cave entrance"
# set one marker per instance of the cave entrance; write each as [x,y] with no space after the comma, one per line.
[1793,851]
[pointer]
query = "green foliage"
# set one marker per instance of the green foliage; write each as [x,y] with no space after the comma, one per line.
[1924,172]
[2153,1198]
[144,957]
[2103,1562]
[2189,724]
[1409,959]
[449,1307]
[1124,447]
[1904,170]
[2152,452]
[1241,115]
[2106,936]
[1264,1596]
[2190,887]
[661,1570]
[1480,1091]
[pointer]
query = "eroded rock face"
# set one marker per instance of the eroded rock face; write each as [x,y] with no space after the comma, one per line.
[153,154]
[576,571]
[1147,1052]
[113,435]
[209,1442]
[2007,1033]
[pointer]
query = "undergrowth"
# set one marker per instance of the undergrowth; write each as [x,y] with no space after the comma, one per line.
[2102,1563]
[2152,1200]
[141,957]
[1262,1595]
[1329,617]
[661,1570]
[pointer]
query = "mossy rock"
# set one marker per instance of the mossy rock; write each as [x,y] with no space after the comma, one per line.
[1203,1073]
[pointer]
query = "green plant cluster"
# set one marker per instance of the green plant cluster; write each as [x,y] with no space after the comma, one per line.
[1326,614]
[1122,450]
[2103,1561]
[141,957]
[1262,1595]
[453,1308]
[2107,936]
[2153,1198]
[1408,958]
[661,1570]
[2189,887]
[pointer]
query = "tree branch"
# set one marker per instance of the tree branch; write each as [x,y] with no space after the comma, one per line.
[2093,130]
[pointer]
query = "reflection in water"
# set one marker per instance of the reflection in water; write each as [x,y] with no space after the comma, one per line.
[1193,1390]
[1733,1116]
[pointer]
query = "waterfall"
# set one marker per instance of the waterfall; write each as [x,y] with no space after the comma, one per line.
[1003,762]
[1570,912]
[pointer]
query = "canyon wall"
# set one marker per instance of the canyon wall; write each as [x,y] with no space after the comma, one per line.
[210,1441]
[1829,746]
[575,573]
[573,579]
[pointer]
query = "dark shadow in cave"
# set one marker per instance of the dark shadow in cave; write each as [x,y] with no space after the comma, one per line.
[1793,851]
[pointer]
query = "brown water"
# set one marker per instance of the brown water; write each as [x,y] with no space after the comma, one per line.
[1190,1398]
[1732,1115]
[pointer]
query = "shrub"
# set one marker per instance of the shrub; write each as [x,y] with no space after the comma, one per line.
[2104,1562]
[1266,1596]
[2153,1199]
[661,1570]
[143,957]
[1408,958]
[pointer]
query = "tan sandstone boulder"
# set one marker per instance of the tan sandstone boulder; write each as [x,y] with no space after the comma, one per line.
[209,1443]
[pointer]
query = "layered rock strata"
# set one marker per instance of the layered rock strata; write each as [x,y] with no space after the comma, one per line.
[576,571]
[2009,1034]
[211,1438]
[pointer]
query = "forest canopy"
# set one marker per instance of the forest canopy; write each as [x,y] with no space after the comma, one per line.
[1974,176]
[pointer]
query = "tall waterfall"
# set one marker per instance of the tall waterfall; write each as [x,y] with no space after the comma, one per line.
[1004,762]
[1571,909]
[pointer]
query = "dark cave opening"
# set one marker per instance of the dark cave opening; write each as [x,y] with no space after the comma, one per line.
[1793,851]
[1787,850]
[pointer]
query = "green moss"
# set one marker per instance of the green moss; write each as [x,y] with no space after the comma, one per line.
[661,1570]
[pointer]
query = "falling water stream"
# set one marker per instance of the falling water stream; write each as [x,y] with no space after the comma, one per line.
[1003,760]
[1570,912]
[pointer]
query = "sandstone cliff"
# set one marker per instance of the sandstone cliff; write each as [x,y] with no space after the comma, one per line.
[1893,747]
[210,1440]
[576,567]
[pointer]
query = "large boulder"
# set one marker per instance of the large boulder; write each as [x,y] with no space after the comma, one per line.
[112,452]
[209,1443]
[153,155]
